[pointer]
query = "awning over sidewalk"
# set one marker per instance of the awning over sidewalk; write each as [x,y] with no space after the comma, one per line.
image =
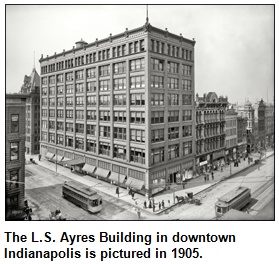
[88,168]
[73,162]
[57,158]
[102,172]
[134,183]
[49,155]
[114,177]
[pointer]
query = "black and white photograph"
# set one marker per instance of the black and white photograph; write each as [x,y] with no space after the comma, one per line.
[139,113]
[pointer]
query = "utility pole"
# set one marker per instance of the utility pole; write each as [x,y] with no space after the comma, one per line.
[118,185]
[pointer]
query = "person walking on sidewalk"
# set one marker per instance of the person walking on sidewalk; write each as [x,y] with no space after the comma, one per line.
[149,206]
[117,190]
[40,157]
[204,178]
[159,205]
[144,204]
[153,207]
[163,204]
[133,195]
[212,175]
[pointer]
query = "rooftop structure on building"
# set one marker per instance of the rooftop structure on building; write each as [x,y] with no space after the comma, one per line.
[123,105]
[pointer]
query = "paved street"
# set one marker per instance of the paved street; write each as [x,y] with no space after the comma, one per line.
[43,189]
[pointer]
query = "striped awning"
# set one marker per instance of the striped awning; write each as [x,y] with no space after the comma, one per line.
[73,162]
[114,177]
[49,155]
[57,158]
[102,172]
[134,183]
[88,168]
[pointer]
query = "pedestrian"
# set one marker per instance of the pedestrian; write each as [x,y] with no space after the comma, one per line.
[212,175]
[138,213]
[149,206]
[183,186]
[40,157]
[144,204]
[153,207]
[204,178]
[117,190]
[133,194]
[159,206]
[163,204]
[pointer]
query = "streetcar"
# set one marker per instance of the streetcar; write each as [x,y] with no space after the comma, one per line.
[82,195]
[235,199]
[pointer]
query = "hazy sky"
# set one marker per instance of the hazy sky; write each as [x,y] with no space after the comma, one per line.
[234,52]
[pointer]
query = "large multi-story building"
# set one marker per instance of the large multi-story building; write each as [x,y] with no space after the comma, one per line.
[31,86]
[231,133]
[241,136]
[259,124]
[124,104]
[269,124]
[15,156]
[249,112]
[210,130]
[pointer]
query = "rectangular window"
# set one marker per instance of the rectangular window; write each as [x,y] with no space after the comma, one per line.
[104,131]
[51,113]
[60,101]
[104,148]
[173,83]
[157,135]
[14,149]
[44,91]
[14,123]
[137,155]
[60,113]
[69,101]
[79,101]
[69,141]
[173,151]
[44,136]
[119,99]
[91,130]
[187,131]
[44,124]
[69,113]
[137,117]
[104,85]
[187,115]
[51,125]
[79,128]
[104,100]
[51,138]
[187,148]
[51,101]
[137,135]
[91,73]
[157,65]
[119,133]
[186,85]
[157,155]
[80,75]
[136,65]
[60,139]
[69,127]
[69,76]
[119,84]
[91,86]
[173,116]
[157,117]
[172,67]
[104,116]
[60,89]
[104,70]
[173,132]
[119,152]
[187,99]
[137,82]
[119,67]
[51,79]
[79,143]
[91,100]
[91,115]
[91,145]
[60,126]
[80,114]
[137,99]
[157,99]
[44,80]
[119,116]
[187,70]
[60,78]
[14,179]
[80,88]
[173,99]
[69,89]
[157,82]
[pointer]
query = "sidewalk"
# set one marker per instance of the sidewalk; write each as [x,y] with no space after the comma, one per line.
[195,186]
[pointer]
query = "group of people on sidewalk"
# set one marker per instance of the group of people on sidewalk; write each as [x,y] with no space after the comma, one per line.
[152,205]
[206,176]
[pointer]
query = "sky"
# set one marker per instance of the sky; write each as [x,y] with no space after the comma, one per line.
[234,51]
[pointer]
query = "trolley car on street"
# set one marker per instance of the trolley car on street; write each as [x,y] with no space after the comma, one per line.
[235,199]
[82,195]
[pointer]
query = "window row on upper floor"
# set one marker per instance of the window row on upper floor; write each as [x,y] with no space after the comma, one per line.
[105,54]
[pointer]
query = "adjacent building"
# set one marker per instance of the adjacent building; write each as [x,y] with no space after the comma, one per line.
[269,125]
[241,136]
[260,109]
[31,86]
[15,156]
[122,108]
[210,130]
[231,133]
